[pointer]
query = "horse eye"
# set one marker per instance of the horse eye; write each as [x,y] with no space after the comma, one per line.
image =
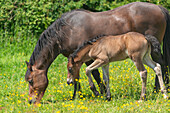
[70,69]
[31,82]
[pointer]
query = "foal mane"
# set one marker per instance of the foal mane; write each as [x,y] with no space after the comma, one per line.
[86,43]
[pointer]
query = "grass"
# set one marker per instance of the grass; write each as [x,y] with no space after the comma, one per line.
[125,86]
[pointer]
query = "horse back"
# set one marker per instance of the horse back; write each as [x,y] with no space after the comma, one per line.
[137,17]
[119,47]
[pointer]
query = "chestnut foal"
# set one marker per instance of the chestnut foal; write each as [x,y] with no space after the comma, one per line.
[108,49]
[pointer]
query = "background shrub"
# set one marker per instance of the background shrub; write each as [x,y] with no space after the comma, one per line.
[22,21]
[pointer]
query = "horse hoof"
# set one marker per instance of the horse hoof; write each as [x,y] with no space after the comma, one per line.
[72,98]
[108,98]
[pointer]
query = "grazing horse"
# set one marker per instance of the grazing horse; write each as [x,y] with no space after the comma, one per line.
[77,26]
[115,48]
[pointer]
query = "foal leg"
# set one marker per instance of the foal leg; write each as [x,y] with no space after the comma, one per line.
[75,89]
[106,80]
[143,74]
[96,76]
[97,63]
[77,83]
[157,68]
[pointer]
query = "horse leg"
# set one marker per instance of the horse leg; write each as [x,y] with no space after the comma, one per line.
[79,89]
[97,63]
[143,74]
[159,59]
[96,76]
[106,80]
[75,89]
[157,68]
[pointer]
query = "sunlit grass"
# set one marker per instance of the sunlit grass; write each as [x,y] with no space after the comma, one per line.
[125,84]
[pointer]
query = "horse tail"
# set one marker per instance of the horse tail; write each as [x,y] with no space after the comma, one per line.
[166,40]
[155,43]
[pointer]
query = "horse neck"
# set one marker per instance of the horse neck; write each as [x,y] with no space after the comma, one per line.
[46,59]
[42,58]
[83,55]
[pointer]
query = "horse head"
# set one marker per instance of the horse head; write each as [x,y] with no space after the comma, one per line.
[73,70]
[38,82]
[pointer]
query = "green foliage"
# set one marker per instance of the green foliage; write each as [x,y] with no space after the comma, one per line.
[29,19]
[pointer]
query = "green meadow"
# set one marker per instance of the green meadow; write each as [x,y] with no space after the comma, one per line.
[22,23]
[125,87]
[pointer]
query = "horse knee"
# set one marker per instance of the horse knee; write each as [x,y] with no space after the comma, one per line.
[157,69]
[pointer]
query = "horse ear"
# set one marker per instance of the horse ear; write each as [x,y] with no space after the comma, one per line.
[28,65]
[72,60]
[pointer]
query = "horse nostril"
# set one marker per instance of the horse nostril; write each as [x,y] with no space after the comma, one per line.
[68,83]
[32,101]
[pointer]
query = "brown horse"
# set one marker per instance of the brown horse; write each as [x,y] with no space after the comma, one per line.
[115,48]
[75,27]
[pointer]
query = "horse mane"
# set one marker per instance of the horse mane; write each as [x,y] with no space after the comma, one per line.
[51,35]
[86,43]
[47,39]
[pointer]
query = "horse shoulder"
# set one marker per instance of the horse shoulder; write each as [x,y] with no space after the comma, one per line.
[94,51]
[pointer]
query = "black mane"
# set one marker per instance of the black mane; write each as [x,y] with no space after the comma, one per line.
[51,35]
[47,39]
[74,54]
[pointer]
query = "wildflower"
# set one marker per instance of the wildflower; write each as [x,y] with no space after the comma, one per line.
[30,98]
[81,102]
[19,101]
[83,107]
[39,105]
[63,104]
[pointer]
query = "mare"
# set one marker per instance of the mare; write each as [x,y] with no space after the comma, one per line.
[75,27]
[108,49]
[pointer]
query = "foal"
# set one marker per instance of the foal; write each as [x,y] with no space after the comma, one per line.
[108,49]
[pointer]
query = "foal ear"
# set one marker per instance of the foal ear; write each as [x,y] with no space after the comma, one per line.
[28,65]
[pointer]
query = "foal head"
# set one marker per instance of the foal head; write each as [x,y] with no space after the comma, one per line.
[73,70]
[38,82]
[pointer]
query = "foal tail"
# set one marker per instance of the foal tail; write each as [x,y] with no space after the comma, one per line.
[166,40]
[155,43]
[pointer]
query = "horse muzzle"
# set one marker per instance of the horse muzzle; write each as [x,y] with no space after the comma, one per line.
[69,81]
[32,101]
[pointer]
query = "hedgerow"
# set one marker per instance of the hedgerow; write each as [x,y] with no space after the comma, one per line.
[22,21]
